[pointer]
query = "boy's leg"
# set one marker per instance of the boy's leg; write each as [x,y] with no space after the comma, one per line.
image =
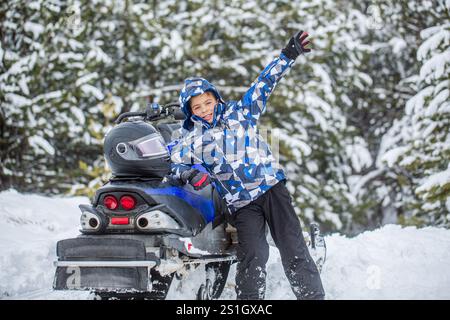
[252,252]
[285,228]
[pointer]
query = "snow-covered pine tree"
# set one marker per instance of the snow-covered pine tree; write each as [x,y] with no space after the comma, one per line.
[64,66]
[416,150]
[394,33]
[320,150]
[51,87]
[132,36]
[388,44]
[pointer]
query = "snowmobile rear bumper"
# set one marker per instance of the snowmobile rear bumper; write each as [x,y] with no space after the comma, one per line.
[103,264]
[112,264]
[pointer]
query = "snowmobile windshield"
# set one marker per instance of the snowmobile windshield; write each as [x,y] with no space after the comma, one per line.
[151,146]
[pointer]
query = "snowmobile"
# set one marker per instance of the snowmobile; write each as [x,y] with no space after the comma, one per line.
[144,228]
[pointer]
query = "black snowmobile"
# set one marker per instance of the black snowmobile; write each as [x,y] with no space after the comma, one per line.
[143,227]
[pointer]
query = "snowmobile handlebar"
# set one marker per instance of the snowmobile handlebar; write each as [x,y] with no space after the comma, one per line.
[154,111]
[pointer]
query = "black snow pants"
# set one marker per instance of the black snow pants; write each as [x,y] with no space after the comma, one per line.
[275,208]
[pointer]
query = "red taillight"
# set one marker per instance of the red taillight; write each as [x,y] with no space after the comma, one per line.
[110,202]
[127,202]
[120,220]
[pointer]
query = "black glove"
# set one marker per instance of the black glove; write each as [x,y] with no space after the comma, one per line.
[296,46]
[196,178]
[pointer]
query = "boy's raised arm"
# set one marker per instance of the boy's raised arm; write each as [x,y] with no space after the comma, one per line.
[255,99]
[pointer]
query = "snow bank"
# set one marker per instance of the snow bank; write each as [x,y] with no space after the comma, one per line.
[389,263]
[30,227]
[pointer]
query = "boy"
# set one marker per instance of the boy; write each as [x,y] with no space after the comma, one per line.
[223,137]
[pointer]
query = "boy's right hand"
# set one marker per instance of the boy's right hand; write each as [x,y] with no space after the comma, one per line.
[196,178]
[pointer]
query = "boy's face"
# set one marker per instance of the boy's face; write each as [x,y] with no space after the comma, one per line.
[203,106]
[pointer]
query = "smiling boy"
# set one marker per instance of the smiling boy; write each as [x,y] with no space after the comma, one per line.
[224,138]
[203,106]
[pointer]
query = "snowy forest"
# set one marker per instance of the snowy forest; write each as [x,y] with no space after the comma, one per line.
[363,119]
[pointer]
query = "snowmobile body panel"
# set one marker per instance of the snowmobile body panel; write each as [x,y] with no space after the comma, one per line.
[202,202]
[191,209]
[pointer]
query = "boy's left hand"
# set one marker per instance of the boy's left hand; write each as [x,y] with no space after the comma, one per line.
[196,178]
[297,45]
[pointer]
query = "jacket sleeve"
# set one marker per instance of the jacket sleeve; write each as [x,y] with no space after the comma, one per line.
[255,99]
[177,169]
[182,158]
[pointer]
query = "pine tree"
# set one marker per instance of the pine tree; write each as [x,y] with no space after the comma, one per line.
[418,147]
[61,64]
[321,149]
[48,94]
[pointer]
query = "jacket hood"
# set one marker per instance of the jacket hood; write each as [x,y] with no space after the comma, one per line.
[194,87]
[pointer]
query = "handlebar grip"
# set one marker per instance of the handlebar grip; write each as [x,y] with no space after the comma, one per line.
[173,104]
[176,111]
[129,114]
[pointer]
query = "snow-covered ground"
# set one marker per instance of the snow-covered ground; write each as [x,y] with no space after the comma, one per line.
[389,263]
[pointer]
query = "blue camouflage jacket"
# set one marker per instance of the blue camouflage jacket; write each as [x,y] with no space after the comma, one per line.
[231,149]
